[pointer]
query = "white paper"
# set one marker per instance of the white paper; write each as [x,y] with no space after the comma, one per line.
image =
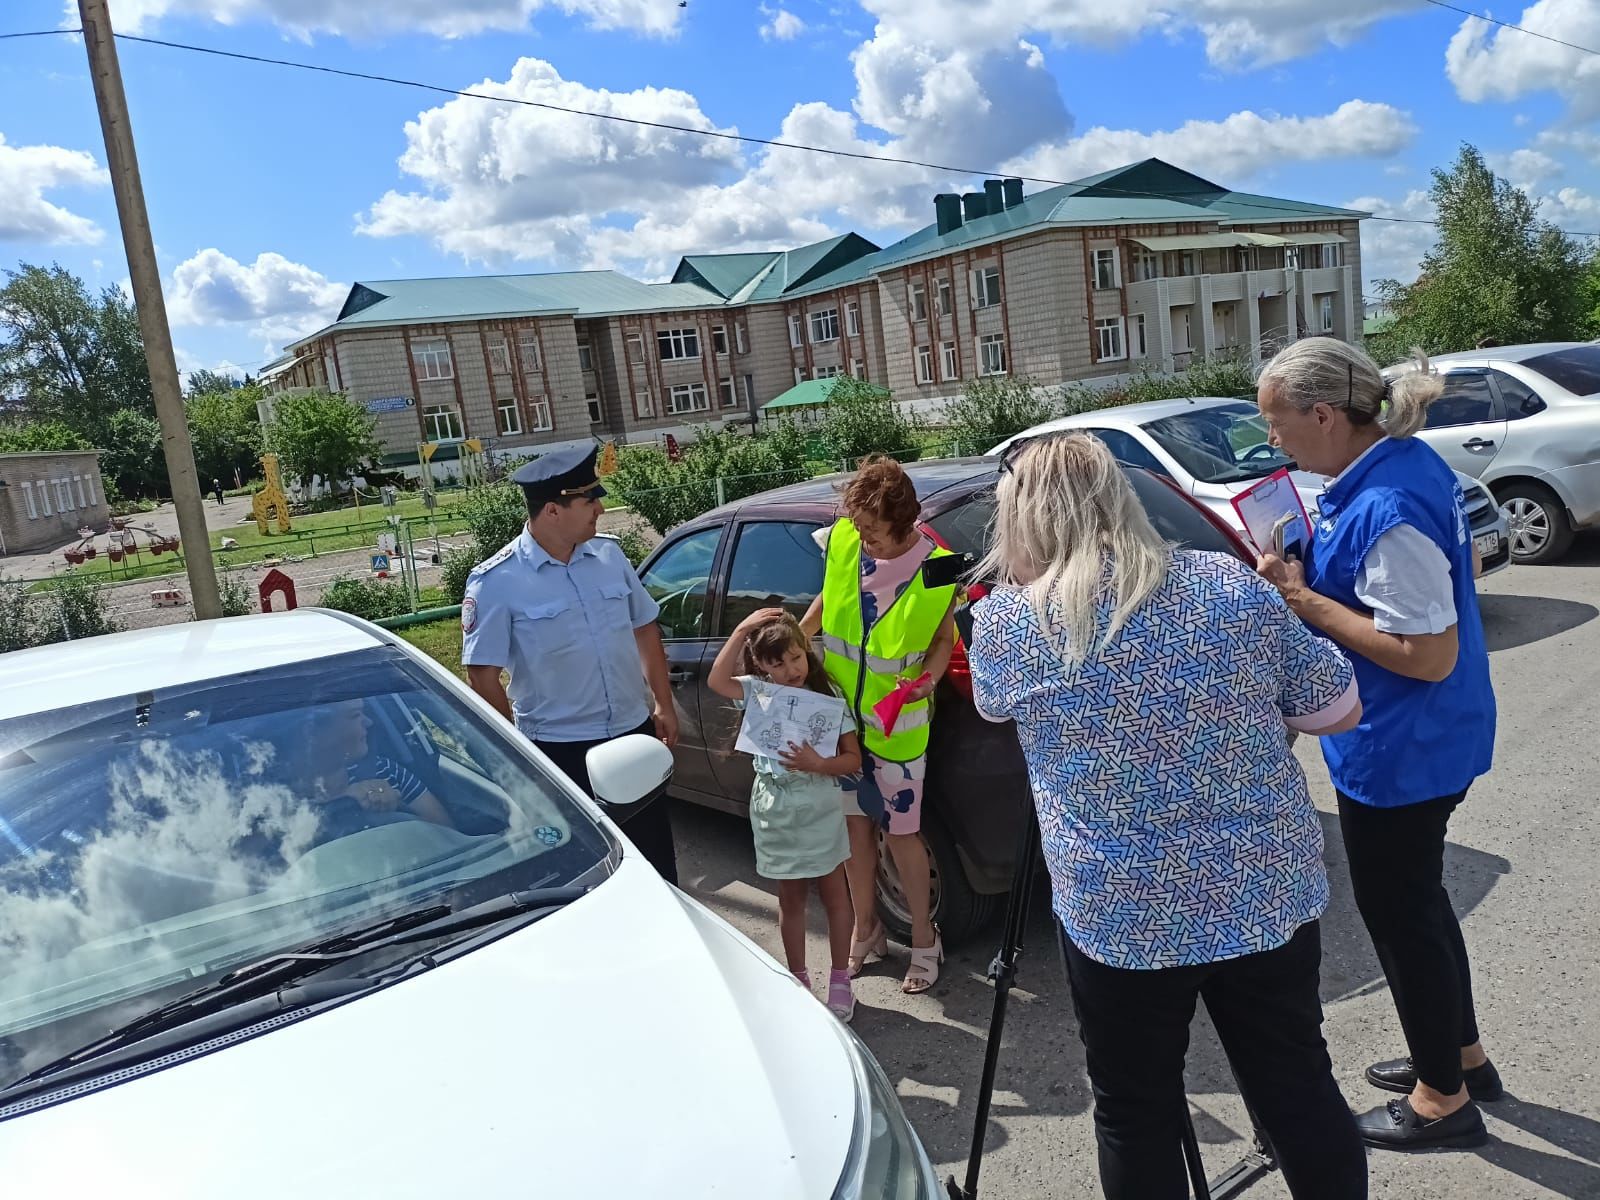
[776,715]
[1263,506]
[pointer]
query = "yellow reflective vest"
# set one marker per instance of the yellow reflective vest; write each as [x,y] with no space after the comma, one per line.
[866,668]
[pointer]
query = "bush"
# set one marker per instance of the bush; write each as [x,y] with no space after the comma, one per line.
[862,419]
[370,599]
[19,617]
[453,572]
[634,543]
[991,409]
[72,606]
[1214,377]
[237,596]
[494,514]
[667,493]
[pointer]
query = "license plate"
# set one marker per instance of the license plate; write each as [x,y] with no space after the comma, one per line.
[1487,544]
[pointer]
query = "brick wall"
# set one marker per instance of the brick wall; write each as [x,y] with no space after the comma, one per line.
[66,492]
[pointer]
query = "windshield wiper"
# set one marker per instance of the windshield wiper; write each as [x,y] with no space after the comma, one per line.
[263,981]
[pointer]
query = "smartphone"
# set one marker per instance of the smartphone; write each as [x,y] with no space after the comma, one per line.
[1282,546]
[945,570]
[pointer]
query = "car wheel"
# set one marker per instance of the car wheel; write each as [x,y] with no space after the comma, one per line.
[1540,530]
[957,909]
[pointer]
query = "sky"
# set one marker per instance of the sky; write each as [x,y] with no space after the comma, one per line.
[271,190]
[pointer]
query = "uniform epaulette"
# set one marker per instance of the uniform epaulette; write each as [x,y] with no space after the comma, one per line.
[495,559]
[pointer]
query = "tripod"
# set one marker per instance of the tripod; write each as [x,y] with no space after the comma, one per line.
[1003,973]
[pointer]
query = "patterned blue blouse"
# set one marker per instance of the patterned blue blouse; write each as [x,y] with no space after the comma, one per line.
[1175,819]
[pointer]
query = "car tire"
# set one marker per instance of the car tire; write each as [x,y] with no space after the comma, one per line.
[957,909]
[1540,529]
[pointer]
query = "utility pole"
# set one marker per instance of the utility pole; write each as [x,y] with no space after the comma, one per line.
[152,307]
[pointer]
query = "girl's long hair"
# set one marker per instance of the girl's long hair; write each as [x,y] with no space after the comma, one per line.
[770,641]
[1064,514]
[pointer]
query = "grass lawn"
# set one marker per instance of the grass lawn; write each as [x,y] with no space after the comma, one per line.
[439,640]
[372,520]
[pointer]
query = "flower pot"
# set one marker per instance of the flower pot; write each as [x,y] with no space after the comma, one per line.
[114,554]
[90,552]
[74,556]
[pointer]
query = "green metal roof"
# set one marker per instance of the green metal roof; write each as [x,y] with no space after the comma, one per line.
[725,274]
[794,270]
[811,393]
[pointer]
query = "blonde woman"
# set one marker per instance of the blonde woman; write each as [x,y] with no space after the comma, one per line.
[1151,688]
[1389,576]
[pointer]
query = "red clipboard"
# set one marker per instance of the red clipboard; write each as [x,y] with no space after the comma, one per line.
[1264,502]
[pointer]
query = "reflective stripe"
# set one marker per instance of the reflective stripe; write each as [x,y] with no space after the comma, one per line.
[909,718]
[878,666]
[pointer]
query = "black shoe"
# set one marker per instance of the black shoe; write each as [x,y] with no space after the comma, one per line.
[1395,1126]
[1398,1075]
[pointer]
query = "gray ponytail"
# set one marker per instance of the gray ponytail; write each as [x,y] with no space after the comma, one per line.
[1324,370]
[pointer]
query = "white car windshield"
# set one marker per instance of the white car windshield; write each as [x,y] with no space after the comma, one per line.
[153,842]
[1226,443]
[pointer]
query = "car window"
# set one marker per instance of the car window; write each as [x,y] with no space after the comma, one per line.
[1466,400]
[775,564]
[678,580]
[1223,443]
[1520,399]
[1576,368]
[1127,449]
[156,841]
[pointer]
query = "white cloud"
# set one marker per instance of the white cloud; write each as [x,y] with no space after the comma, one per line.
[277,298]
[1486,62]
[26,174]
[1525,168]
[303,18]
[1233,148]
[1392,249]
[1578,141]
[781,25]
[1572,209]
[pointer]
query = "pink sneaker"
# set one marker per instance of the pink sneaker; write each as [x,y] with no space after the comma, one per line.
[803,977]
[841,996]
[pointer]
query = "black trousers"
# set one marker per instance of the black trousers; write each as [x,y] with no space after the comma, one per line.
[1268,1014]
[649,828]
[1397,873]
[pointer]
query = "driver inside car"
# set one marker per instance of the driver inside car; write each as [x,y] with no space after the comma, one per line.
[352,786]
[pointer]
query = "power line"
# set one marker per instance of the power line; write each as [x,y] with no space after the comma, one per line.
[723,135]
[1466,12]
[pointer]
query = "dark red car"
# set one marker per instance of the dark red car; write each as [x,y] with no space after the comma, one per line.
[710,573]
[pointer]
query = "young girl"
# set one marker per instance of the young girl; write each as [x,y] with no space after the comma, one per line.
[795,807]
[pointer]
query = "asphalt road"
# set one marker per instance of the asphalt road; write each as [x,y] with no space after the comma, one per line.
[1521,864]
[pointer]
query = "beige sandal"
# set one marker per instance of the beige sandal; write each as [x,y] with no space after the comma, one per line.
[875,946]
[923,972]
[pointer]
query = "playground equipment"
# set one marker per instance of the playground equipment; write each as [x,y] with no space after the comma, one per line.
[121,542]
[270,501]
[469,458]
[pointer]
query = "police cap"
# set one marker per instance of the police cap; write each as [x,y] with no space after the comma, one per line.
[559,475]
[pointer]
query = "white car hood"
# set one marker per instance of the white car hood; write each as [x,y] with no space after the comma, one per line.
[630,1045]
[1308,485]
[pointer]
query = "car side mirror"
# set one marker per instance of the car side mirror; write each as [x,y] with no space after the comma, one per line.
[629,770]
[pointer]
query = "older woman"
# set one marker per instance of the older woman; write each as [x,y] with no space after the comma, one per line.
[1389,577]
[1151,688]
[882,623]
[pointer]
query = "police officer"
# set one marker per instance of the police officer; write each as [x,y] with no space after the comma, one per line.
[563,611]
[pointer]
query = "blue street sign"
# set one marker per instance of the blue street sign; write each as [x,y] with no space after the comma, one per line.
[388,404]
[380,564]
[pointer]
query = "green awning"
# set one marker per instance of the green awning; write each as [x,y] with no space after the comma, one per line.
[812,393]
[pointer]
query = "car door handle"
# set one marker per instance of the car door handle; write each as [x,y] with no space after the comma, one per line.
[679,676]
[1478,444]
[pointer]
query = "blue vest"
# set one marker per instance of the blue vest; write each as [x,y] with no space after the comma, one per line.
[1417,741]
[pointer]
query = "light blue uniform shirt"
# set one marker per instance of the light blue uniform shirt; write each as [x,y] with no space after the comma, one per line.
[565,632]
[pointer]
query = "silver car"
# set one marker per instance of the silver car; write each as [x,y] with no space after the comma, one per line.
[1526,421]
[1214,447]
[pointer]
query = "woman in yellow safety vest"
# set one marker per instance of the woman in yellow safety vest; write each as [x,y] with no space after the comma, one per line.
[880,624]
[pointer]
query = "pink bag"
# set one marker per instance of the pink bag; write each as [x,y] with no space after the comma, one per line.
[888,709]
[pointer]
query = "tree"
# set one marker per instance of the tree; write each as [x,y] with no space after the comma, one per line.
[225,428]
[1497,270]
[33,437]
[204,382]
[134,461]
[70,356]
[321,434]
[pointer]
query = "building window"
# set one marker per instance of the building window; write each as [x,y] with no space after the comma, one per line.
[443,423]
[635,348]
[643,405]
[719,340]
[739,339]
[1291,258]
[944,296]
[832,372]
[688,398]
[852,319]
[27,498]
[992,355]
[1106,272]
[918,296]
[1146,265]
[433,359]
[947,354]
[725,392]
[825,325]
[528,350]
[986,287]
[1137,335]
[593,401]
[794,329]
[585,357]
[539,410]
[1325,307]
[749,391]
[1108,333]
[499,355]
[858,368]
[506,418]
[678,343]
[924,364]
[1179,263]
[799,374]
[1182,331]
